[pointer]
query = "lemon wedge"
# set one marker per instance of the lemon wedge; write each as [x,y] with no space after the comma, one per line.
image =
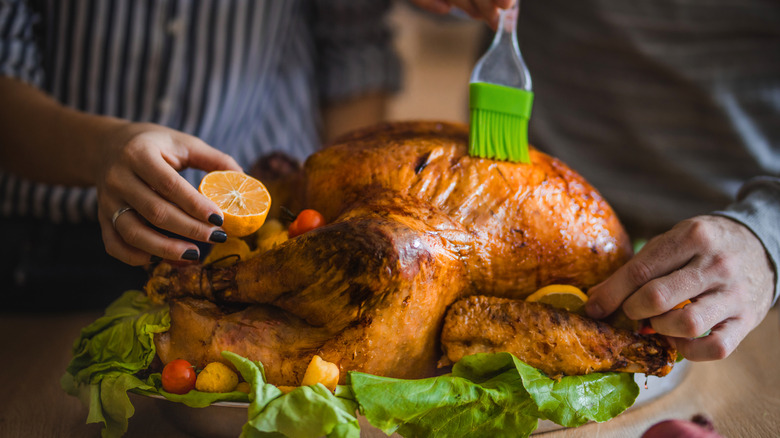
[562,296]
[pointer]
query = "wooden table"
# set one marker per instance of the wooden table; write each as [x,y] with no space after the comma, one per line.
[741,393]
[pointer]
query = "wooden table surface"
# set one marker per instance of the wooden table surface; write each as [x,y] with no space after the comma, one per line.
[741,393]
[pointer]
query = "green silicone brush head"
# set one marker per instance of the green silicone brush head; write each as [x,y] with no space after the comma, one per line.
[499,122]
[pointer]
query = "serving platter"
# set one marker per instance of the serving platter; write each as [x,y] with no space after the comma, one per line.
[225,419]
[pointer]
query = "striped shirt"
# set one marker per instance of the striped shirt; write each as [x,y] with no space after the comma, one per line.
[246,76]
[667,107]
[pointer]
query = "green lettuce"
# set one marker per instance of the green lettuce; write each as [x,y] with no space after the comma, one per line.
[571,401]
[485,394]
[108,354]
[490,395]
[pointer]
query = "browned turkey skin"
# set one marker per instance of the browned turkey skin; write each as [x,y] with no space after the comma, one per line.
[552,340]
[414,224]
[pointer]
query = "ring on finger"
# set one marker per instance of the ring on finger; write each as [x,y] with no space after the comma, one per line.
[118,213]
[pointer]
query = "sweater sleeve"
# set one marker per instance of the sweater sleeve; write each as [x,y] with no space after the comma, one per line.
[354,47]
[758,208]
[19,51]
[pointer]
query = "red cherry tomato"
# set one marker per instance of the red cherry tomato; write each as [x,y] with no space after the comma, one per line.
[178,377]
[307,220]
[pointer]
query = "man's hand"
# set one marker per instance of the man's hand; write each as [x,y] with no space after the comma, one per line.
[486,10]
[715,262]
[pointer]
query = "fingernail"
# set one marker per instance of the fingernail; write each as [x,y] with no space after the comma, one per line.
[215,219]
[594,310]
[218,236]
[155,259]
[190,254]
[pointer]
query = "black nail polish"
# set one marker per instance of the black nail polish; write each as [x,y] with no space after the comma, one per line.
[155,259]
[218,236]
[215,219]
[190,254]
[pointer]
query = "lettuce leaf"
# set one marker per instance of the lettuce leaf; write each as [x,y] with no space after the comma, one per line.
[570,401]
[446,406]
[489,395]
[107,355]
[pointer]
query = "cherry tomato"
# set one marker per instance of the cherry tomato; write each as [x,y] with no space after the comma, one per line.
[178,377]
[307,220]
[647,330]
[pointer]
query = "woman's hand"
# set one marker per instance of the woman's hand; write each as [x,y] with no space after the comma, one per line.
[486,10]
[138,169]
[717,263]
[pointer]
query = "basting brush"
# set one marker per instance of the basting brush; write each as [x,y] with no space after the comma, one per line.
[500,96]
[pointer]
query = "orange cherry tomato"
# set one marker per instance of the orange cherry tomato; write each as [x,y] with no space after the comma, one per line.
[178,377]
[681,305]
[647,330]
[307,220]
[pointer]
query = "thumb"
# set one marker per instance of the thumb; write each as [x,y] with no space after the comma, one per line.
[605,297]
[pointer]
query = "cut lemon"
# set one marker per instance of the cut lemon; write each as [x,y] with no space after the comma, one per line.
[562,296]
[244,201]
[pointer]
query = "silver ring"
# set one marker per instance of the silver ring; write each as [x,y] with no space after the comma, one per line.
[119,213]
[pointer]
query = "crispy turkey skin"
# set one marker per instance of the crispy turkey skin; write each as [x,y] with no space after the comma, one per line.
[552,340]
[414,224]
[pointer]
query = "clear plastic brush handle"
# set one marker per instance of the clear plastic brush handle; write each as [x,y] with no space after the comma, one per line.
[503,64]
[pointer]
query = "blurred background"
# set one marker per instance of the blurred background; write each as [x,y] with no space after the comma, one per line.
[438,54]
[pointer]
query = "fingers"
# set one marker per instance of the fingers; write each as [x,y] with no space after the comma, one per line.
[435,6]
[468,7]
[658,258]
[158,185]
[719,344]
[486,10]
[135,233]
[117,248]
[204,157]
[695,319]
[156,172]
[131,240]
[182,218]
[170,217]
[664,293]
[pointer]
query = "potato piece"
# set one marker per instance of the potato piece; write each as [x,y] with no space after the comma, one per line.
[243,387]
[216,377]
[272,241]
[221,252]
[321,371]
[267,232]
[286,389]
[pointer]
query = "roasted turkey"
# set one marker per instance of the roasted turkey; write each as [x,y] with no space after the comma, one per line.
[414,224]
